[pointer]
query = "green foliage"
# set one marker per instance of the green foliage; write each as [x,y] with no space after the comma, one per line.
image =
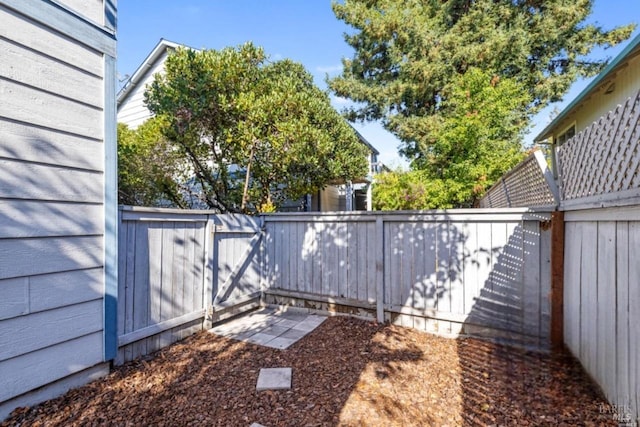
[458,81]
[412,190]
[147,166]
[463,154]
[232,110]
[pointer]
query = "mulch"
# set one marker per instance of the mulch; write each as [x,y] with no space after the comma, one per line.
[346,372]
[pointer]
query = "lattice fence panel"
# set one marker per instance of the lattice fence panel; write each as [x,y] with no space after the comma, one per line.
[528,184]
[604,158]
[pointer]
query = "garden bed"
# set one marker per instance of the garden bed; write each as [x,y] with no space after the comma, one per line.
[346,372]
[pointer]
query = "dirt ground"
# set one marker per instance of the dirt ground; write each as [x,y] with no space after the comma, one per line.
[347,372]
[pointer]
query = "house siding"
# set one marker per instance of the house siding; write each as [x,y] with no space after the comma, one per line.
[132,110]
[598,104]
[56,63]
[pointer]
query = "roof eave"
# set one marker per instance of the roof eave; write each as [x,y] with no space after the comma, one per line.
[619,59]
[133,81]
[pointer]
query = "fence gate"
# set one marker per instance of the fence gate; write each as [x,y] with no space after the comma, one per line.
[237,260]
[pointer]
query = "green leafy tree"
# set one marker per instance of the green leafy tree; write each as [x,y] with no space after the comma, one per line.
[411,64]
[464,153]
[253,132]
[148,169]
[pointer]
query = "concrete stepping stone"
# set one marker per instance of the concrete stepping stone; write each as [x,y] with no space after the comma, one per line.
[274,379]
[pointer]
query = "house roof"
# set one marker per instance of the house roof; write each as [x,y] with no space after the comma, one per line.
[148,62]
[365,142]
[611,68]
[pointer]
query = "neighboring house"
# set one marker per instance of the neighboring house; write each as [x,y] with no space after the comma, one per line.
[132,111]
[618,81]
[58,206]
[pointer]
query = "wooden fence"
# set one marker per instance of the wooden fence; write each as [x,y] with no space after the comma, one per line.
[179,271]
[481,272]
[600,196]
[602,300]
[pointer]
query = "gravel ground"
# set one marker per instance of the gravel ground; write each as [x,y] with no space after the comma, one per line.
[346,372]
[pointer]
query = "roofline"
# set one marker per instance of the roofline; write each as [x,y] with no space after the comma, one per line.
[364,141]
[133,81]
[634,43]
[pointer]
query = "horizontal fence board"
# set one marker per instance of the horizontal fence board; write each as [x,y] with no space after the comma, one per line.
[159,327]
[70,356]
[35,331]
[53,254]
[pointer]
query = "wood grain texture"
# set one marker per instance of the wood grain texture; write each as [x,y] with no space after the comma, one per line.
[52,254]
[15,297]
[49,291]
[35,218]
[47,42]
[31,181]
[30,105]
[35,331]
[48,146]
[74,356]
[91,9]
[22,65]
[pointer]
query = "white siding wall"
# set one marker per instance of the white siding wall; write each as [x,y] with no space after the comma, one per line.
[53,81]
[132,110]
[93,10]
[627,81]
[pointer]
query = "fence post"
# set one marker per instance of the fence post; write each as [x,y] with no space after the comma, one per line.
[557,279]
[207,300]
[380,269]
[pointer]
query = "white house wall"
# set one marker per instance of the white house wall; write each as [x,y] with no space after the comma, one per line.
[57,127]
[93,10]
[132,110]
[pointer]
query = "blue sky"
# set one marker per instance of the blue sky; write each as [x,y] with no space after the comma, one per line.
[303,30]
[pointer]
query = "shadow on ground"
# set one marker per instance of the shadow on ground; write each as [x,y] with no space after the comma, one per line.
[346,372]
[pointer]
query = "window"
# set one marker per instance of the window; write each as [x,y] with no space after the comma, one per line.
[569,133]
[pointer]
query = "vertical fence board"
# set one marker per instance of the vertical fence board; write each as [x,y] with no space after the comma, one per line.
[572,276]
[531,278]
[457,240]
[622,314]
[471,267]
[589,296]
[606,307]
[634,316]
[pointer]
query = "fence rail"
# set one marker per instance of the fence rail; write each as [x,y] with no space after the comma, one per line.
[475,271]
[171,265]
